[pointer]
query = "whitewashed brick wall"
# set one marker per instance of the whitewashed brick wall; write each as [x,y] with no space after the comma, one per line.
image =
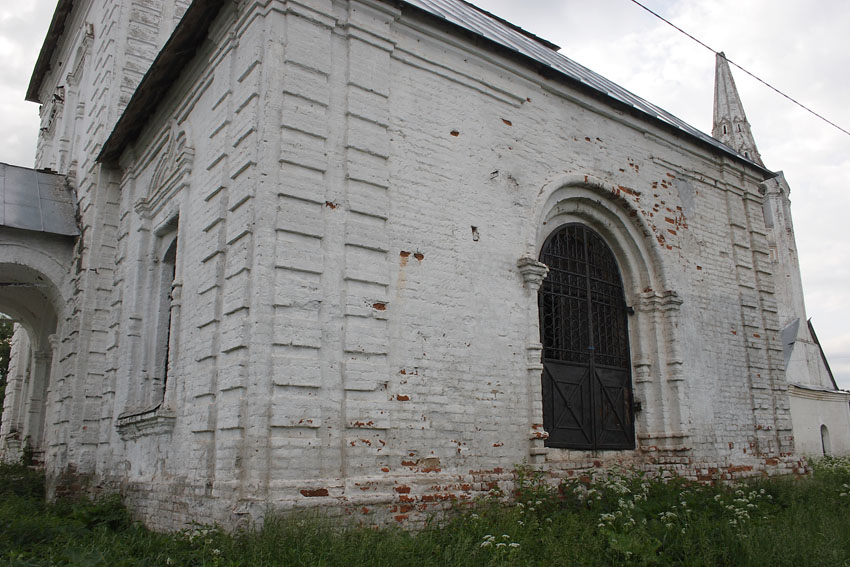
[356,189]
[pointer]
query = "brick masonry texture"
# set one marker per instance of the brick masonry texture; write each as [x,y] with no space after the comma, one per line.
[358,197]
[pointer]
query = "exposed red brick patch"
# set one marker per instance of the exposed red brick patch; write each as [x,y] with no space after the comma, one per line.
[400,518]
[311,493]
[402,398]
[438,497]
[419,256]
[628,190]
[507,122]
[699,267]
[402,489]
[454,133]
[385,469]
[331,205]
[499,444]
[379,306]
[586,139]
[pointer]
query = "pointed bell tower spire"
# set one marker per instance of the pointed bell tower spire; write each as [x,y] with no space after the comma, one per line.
[730,122]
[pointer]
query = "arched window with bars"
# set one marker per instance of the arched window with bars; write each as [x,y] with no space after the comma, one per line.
[587,387]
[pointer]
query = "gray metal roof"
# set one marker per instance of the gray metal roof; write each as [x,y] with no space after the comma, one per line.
[192,28]
[482,23]
[36,200]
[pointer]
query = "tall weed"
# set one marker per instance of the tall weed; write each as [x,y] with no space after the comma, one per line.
[618,518]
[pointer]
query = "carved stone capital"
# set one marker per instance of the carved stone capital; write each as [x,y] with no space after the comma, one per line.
[533,272]
[532,353]
[142,207]
[176,292]
[667,300]
[642,365]
[154,421]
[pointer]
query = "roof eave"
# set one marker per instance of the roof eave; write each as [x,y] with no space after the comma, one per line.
[165,69]
[193,27]
[51,41]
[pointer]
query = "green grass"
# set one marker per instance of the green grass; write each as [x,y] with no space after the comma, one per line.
[624,519]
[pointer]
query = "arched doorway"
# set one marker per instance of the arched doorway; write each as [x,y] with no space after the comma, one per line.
[26,298]
[587,386]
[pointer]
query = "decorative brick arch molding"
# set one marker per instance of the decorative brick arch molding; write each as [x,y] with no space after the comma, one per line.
[34,290]
[658,383]
[43,257]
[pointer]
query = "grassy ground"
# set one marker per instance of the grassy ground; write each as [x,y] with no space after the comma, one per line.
[622,520]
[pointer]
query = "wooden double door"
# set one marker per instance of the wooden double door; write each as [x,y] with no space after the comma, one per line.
[587,387]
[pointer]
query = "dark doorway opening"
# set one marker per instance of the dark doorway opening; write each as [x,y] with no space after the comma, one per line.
[587,386]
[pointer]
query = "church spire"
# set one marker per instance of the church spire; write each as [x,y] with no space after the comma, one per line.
[730,123]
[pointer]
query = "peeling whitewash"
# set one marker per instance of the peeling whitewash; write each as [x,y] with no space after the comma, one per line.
[312,278]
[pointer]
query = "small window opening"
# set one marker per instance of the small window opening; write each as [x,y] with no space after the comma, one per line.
[824,438]
[169,267]
[724,128]
[739,127]
[166,272]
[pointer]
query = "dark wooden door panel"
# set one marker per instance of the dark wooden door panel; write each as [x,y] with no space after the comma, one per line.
[587,396]
[569,419]
[615,424]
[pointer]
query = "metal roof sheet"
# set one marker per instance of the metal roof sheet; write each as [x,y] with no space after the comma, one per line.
[484,24]
[192,28]
[36,200]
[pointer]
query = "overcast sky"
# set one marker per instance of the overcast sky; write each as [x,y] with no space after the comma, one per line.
[799,46]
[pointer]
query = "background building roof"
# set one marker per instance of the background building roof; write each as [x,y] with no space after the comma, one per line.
[36,200]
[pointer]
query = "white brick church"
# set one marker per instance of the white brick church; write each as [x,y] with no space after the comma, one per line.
[371,254]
